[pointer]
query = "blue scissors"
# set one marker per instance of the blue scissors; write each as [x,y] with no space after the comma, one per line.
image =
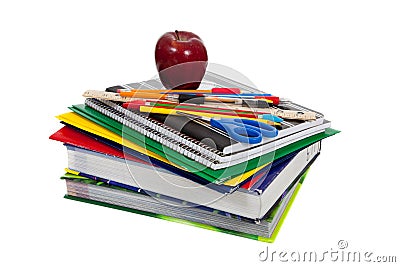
[244,130]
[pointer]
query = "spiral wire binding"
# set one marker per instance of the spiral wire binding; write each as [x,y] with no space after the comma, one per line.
[157,131]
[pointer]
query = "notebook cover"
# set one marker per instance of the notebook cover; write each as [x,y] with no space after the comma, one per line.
[200,225]
[191,165]
[84,124]
[73,137]
[262,180]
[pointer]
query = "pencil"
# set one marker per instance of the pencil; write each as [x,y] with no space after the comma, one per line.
[221,91]
[166,111]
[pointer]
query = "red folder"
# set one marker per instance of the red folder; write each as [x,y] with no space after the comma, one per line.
[73,137]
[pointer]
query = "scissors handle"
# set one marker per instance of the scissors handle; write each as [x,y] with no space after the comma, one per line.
[266,130]
[244,130]
[237,131]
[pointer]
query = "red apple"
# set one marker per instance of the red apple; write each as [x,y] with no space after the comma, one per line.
[181,60]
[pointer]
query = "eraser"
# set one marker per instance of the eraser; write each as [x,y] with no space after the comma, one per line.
[225,91]
[136,104]
[114,89]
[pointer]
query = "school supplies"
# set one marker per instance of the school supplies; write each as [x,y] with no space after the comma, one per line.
[178,98]
[287,111]
[107,96]
[270,117]
[252,204]
[245,130]
[233,165]
[275,100]
[201,113]
[242,130]
[194,99]
[214,92]
[155,137]
[221,91]
[300,114]
[135,105]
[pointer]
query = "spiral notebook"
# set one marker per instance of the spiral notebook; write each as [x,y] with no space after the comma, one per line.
[229,176]
[187,145]
[218,76]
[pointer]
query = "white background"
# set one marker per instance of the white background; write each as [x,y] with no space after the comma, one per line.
[339,57]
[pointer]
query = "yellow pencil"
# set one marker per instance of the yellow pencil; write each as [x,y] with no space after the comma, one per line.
[166,111]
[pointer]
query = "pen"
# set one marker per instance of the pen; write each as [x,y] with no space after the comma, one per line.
[275,100]
[261,112]
[243,112]
[260,103]
[221,91]
[135,106]
[166,111]
[216,92]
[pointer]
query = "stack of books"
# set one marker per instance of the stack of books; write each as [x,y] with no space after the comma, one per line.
[168,162]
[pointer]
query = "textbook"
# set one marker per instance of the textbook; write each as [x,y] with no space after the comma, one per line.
[248,204]
[77,138]
[74,137]
[103,194]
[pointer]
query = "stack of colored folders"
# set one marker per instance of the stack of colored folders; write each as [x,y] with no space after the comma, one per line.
[175,158]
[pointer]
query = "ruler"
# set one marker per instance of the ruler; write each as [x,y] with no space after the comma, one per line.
[283,113]
[108,96]
[293,114]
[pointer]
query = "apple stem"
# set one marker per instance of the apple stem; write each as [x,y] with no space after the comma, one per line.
[177,35]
